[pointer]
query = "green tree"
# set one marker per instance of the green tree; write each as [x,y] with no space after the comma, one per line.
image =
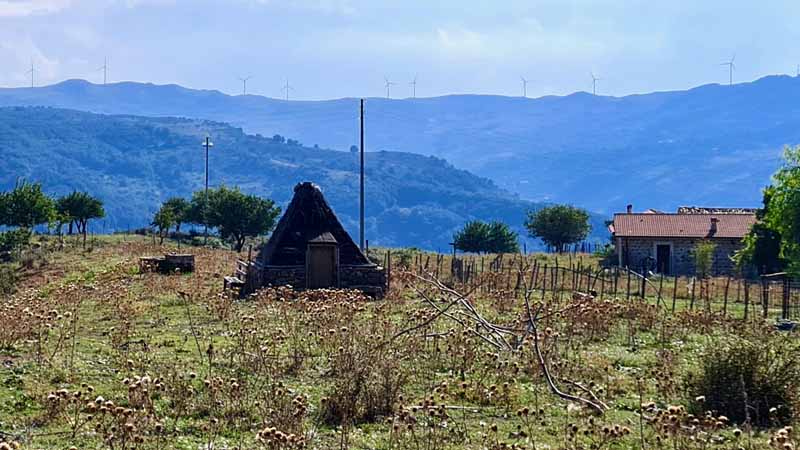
[502,239]
[79,208]
[180,211]
[163,220]
[779,222]
[235,215]
[762,245]
[26,206]
[559,225]
[783,213]
[473,237]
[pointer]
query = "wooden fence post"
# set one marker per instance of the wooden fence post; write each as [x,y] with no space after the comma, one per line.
[674,293]
[644,283]
[746,298]
[628,288]
[691,303]
[725,300]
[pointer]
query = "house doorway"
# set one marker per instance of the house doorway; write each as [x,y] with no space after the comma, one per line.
[663,258]
[322,266]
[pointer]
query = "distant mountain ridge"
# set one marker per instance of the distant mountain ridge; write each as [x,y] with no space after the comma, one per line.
[712,145]
[134,163]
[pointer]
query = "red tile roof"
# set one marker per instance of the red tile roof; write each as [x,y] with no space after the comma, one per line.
[682,225]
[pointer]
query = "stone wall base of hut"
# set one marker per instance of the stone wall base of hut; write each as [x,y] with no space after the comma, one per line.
[370,279]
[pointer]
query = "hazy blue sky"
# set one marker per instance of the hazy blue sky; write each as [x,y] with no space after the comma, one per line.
[338,48]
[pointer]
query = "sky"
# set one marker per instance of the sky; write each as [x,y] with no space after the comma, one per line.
[348,48]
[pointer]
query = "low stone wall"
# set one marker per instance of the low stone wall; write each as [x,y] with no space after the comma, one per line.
[294,276]
[369,278]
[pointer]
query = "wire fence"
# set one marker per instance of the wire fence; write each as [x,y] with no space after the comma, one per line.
[773,297]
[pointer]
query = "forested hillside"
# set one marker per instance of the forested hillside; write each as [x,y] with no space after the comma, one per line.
[711,145]
[134,163]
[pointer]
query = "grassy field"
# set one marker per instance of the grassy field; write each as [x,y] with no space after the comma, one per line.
[94,354]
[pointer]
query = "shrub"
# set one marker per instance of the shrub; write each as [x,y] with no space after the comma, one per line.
[8,279]
[704,258]
[759,378]
[405,257]
[14,240]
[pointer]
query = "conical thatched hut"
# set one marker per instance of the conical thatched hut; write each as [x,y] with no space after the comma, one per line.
[310,249]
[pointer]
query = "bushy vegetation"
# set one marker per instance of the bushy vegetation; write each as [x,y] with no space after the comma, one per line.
[8,279]
[483,237]
[750,381]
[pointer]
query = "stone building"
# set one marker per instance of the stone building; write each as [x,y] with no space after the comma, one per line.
[665,242]
[310,249]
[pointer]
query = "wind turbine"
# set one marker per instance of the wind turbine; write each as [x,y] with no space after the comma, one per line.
[286,88]
[244,84]
[594,83]
[31,72]
[731,67]
[524,86]
[388,85]
[413,85]
[104,68]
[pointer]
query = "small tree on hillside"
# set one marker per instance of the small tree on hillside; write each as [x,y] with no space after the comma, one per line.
[234,214]
[78,208]
[559,225]
[472,238]
[26,206]
[163,220]
[180,211]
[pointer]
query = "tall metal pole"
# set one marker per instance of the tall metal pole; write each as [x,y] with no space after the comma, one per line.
[206,144]
[361,212]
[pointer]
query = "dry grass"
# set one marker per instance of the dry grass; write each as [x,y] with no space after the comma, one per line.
[97,355]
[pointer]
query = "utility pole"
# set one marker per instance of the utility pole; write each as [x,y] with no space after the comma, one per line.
[361,212]
[207,144]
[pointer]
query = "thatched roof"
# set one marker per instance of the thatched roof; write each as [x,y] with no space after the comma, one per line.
[308,218]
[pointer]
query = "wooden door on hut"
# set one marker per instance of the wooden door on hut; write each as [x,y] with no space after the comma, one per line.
[322,262]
